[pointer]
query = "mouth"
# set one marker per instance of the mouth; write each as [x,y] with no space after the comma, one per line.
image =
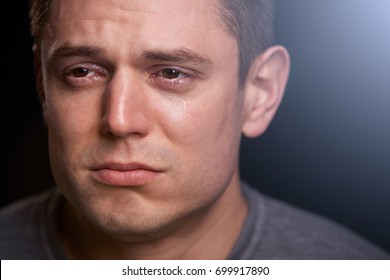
[124,175]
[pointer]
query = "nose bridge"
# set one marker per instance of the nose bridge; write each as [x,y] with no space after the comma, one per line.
[124,109]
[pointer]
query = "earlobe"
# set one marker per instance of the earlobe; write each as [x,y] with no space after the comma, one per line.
[264,89]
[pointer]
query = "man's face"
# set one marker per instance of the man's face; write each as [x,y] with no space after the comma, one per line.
[143,111]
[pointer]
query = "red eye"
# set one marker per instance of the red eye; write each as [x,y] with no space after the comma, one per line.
[81,72]
[84,75]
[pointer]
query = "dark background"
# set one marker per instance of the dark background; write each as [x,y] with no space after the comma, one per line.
[327,149]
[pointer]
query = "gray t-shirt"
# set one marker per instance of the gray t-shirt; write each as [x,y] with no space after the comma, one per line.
[272,230]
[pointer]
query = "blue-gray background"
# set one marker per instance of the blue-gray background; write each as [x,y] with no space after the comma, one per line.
[327,150]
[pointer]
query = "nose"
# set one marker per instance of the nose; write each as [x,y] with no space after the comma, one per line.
[125,107]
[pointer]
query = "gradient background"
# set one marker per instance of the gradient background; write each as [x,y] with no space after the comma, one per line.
[327,149]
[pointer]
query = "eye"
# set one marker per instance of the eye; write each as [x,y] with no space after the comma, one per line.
[81,72]
[172,78]
[170,73]
[82,75]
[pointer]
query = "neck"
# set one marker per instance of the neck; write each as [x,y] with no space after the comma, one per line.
[210,234]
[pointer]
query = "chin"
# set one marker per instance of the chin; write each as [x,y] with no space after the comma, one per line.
[133,228]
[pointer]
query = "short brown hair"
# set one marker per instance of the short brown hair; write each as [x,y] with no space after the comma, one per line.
[250,22]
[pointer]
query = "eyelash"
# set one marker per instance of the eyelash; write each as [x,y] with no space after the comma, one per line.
[174,71]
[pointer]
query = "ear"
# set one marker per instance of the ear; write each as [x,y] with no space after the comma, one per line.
[39,82]
[264,88]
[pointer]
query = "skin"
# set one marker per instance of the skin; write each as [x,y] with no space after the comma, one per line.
[144,118]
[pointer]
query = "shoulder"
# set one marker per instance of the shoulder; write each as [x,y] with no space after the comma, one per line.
[289,232]
[23,226]
[24,209]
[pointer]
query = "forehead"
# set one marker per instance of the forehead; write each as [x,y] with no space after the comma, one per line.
[170,14]
[139,25]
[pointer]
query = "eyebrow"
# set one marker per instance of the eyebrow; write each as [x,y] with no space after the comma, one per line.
[69,50]
[175,55]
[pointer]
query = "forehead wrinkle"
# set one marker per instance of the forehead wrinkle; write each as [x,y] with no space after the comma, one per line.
[124,7]
[121,6]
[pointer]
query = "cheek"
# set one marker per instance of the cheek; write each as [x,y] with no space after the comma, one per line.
[70,124]
[207,126]
[216,119]
[174,111]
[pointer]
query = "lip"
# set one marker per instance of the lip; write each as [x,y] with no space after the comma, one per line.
[122,175]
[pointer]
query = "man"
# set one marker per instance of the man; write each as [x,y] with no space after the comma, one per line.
[145,104]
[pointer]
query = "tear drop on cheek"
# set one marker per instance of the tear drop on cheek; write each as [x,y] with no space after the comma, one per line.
[176,109]
[184,109]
